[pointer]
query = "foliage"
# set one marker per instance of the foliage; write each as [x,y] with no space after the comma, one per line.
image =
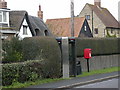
[42,81]
[99,46]
[45,48]
[21,72]
[108,34]
[12,50]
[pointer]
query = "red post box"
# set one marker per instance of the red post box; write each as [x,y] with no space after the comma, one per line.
[87,53]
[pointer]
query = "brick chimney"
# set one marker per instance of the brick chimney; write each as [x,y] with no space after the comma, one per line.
[3,4]
[40,13]
[97,3]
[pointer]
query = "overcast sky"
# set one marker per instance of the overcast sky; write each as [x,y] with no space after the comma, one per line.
[59,8]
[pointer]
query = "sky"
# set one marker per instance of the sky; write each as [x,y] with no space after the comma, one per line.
[59,8]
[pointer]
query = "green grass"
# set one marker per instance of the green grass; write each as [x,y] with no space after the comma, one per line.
[94,72]
[27,84]
[38,82]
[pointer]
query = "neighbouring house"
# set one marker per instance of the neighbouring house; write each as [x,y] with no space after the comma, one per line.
[20,24]
[61,27]
[102,23]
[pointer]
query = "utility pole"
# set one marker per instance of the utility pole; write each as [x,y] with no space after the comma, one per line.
[72,18]
[0,61]
[119,11]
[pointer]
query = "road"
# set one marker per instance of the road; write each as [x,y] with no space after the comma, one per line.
[112,83]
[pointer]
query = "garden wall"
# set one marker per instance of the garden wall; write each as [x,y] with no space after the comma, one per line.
[100,62]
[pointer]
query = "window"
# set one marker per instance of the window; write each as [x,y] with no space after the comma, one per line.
[0,16]
[46,33]
[96,30]
[4,17]
[85,28]
[87,17]
[37,32]
[24,30]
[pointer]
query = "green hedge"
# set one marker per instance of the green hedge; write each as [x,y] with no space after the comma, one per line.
[99,46]
[21,72]
[12,50]
[45,49]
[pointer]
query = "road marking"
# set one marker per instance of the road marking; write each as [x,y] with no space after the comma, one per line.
[91,81]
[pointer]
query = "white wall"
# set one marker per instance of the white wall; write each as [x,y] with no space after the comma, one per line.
[29,34]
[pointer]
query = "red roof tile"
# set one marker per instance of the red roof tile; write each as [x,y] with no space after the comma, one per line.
[61,27]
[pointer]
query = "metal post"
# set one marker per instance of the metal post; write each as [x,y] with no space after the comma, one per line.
[0,60]
[88,64]
[92,24]
[74,59]
[65,57]
[72,18]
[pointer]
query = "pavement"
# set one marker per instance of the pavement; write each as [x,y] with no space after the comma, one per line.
[77,81]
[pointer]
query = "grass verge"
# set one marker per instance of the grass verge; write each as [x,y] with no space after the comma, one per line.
[102,71]
[38,82]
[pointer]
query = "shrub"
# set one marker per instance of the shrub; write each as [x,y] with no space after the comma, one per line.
[47,49]
[12,50]
[21,72]
[99,46]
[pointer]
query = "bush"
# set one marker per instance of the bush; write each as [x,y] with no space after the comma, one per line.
[99,46]
[47,49]
[48,65]
[21,72]
[12,51]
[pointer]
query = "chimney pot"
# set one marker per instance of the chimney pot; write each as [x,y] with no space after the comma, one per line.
[3,4]
[97,3]
[40,13]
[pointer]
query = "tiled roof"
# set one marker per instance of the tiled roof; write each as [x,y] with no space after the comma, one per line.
[105,16]
[61,27]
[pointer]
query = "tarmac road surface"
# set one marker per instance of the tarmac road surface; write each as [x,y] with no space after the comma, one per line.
[112,83]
